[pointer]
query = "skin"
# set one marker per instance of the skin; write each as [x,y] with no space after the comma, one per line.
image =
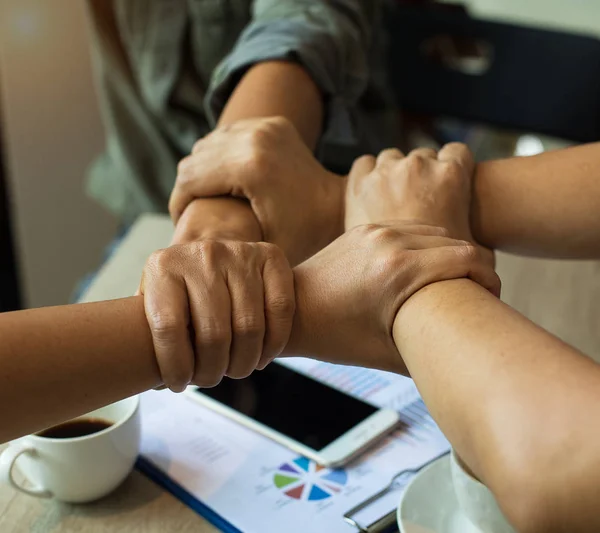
[514,401]
[270,89]
[297,203]
[545,205]
[79,357]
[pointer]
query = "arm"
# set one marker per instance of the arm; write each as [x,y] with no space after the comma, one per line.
[514,401]
[519,405]
[278,88]
[241,311]
[60,362]
[274,88]
[216,308]
[295,56]
[545,205]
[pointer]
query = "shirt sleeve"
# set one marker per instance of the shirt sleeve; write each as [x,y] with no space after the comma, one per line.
[329,38]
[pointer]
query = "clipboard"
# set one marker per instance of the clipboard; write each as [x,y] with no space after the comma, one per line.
[160,478]
[212,471]
[384,524]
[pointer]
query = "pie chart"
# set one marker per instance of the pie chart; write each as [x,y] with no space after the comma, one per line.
[303,479]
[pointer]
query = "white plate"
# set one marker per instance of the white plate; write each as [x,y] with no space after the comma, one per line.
[429,504]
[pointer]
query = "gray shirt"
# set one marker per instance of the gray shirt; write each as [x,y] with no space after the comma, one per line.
[165,69]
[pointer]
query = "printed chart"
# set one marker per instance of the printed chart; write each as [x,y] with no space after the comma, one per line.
[302,479]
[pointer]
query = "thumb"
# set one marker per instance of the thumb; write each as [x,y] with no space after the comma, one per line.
[200,176]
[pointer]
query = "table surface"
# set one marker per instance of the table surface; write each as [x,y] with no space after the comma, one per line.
[568,310]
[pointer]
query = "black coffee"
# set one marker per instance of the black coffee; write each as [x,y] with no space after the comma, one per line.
[75,428]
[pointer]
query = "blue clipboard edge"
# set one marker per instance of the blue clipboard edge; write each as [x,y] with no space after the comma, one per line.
[160,478]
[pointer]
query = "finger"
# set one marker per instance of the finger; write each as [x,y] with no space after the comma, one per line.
[390,154]
[210,310]
[199,144]
[247,318]
[199,176]
[426,153]
[362,166]
[454,262]
[166,307]
[410,241]
[415,227]
[191,224]
[459,153]
[280,304]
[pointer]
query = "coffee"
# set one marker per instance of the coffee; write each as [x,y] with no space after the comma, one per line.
[75,428]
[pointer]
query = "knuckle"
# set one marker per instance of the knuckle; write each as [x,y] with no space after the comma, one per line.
[161,261]
[282,306]
[388,155]
[467,251]
[164,325]
[415,162]
[256,163]
[462,150]
[452,170]
[244,254]
[278,123]
[272,252]
[263,131]
[366,231]
[198,145]
[185,170]
[210,251]
[441,231]
[364,159]
[248,326]
[212,334]
[383,234]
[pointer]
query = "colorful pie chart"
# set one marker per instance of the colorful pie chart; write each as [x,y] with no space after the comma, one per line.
[302,479]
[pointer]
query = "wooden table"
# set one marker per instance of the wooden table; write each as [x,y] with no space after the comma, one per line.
[561,296]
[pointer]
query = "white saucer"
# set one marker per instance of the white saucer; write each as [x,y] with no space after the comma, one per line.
[429,504]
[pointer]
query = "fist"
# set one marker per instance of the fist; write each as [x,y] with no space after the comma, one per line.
[431,187]
[298,204]
[217,308]
[348,295]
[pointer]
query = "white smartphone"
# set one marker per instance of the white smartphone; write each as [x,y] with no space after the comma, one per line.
[309,417]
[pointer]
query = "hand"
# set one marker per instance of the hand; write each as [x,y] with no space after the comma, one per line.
[433,188]
[348,295]
[297,202]
[217,308]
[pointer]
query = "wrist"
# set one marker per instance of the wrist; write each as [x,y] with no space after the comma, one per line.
[334,207]
[297,342]
[224,218]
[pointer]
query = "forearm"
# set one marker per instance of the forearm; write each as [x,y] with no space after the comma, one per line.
[514,401]
[545,205]
[274,88]
[217,218]
[60,362]
[278,88]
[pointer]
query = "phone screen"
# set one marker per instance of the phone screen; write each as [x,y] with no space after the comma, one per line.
[301,408]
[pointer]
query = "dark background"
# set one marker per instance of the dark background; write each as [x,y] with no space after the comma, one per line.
[9,283]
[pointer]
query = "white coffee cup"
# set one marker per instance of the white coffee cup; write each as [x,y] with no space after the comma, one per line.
[78,469]
[476,501]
